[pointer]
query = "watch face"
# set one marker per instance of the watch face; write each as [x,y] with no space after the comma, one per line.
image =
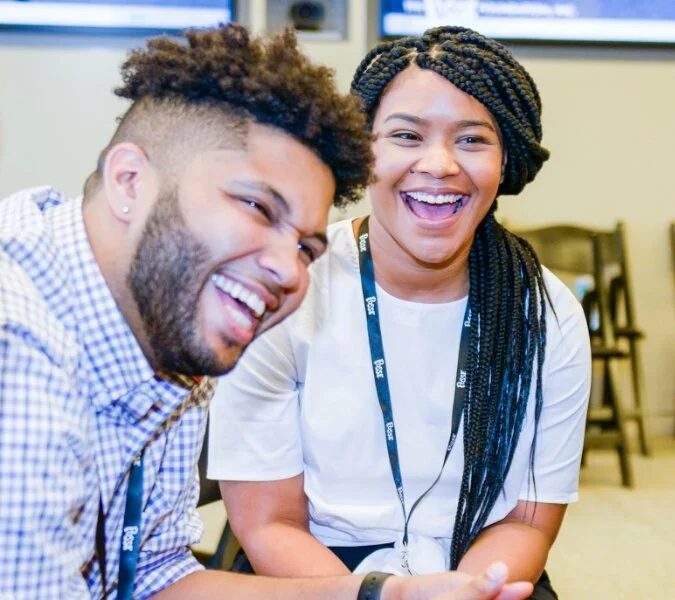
[447,12]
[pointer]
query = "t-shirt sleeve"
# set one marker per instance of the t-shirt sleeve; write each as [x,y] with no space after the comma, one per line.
[253,423]
[566,389]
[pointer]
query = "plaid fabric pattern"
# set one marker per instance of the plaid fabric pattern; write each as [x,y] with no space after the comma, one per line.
[78,402]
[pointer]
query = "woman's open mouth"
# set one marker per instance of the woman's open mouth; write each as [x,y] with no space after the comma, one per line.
[434,207]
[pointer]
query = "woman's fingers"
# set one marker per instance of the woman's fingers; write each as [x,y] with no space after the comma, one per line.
[516,591]
[490,585]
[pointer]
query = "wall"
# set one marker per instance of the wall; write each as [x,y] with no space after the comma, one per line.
[609,125]
[608,118]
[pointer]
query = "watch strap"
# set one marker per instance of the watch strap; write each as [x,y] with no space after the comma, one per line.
[371,586]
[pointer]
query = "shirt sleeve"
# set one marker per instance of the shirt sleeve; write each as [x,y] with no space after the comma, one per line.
[253,429]
[566,389]
[162,570]
[42,488]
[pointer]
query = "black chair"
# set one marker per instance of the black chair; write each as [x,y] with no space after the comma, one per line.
[578,254]
[209,492]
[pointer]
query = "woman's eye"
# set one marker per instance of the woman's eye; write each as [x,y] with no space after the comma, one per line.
[472,139]
[408,136]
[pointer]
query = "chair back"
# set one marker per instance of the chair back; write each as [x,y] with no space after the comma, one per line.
[586,260]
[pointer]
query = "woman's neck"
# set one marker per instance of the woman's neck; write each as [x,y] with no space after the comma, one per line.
[403,276]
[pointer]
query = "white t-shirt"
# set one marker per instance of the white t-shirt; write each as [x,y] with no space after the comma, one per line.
[303,399]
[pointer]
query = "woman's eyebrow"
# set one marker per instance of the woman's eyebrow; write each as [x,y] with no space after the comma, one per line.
[461,124]
[407,117]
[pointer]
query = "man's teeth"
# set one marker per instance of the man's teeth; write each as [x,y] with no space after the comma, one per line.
[239,317]
[239,292]
[435,198]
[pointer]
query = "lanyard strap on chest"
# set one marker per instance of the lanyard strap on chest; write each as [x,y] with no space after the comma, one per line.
[379,366]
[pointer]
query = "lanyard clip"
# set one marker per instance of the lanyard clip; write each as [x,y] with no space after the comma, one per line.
[404,559]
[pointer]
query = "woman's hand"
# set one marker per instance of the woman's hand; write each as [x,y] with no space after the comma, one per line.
[488,585]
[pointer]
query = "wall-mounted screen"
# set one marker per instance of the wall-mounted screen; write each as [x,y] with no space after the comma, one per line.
[609,21]
[146,15]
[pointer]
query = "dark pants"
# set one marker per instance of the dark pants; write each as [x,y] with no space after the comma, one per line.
[351,556]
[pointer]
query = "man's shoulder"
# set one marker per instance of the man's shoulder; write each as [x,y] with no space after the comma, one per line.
[23,212]
[25,315]
[33,280]
[26,229]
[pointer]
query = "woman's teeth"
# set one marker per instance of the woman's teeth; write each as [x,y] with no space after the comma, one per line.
[434,206]
[240,293]
[435,198]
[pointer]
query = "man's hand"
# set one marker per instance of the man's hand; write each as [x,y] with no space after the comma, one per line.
[489,585]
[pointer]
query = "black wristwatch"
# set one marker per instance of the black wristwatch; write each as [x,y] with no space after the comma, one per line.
[371,586]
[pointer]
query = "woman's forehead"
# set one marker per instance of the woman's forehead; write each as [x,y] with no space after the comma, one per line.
[423,91]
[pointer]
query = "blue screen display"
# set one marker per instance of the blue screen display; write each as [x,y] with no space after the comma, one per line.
[160,15]
[646,21]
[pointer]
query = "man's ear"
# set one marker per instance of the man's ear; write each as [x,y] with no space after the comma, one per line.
[128,177]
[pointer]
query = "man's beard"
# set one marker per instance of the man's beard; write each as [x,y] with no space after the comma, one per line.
[166,278]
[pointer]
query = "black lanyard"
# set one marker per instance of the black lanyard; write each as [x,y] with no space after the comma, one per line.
[382,385]
[131,535]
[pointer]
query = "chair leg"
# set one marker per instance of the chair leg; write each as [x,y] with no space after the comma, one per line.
[626,469]
[636,375]
[610,393]
[225,553]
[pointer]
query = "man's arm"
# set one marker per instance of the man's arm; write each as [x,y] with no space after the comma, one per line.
[522,540]
[219,585]
[271,521]
[43,530]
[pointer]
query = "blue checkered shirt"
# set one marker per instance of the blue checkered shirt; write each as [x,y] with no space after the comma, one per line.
[78,402]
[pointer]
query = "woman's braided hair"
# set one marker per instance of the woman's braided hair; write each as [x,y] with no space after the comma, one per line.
[507,294]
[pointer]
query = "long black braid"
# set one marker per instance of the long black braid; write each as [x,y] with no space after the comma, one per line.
[506,294]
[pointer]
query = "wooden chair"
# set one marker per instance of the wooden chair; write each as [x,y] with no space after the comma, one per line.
[621,309]
[577,254]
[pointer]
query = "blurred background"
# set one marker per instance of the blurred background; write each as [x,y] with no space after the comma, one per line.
[606,73]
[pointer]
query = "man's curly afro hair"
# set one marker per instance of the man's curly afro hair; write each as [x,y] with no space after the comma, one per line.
[269,80]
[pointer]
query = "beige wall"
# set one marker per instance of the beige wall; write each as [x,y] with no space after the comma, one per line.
[610,125]
[608,118]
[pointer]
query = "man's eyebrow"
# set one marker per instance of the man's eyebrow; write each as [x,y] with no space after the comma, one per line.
[280,201]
